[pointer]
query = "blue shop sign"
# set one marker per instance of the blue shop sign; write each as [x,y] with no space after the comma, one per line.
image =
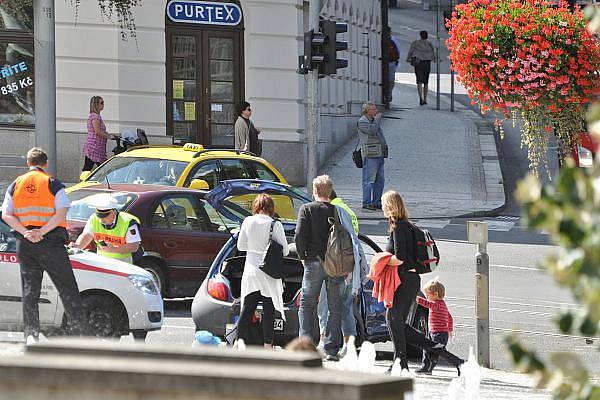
[204,12]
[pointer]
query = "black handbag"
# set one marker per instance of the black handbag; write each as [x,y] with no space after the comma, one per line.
[357,156]
[272,262]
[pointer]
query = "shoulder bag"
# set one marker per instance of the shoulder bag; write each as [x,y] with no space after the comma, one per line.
[272,262]
[357,156]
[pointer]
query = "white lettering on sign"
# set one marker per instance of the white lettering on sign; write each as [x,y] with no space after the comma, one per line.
[204,12]
[9,258]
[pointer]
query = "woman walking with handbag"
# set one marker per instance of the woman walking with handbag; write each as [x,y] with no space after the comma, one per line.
[255,236]
[420,55]
[401,244]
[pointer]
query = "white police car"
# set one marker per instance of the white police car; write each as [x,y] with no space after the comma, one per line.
[119,298]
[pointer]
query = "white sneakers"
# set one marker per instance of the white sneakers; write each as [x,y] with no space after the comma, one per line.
[31,340]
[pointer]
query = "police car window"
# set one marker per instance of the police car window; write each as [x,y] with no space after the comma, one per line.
[207,171]
[235,169]
[8,243]
[82,202]
[262,172]
[149,171]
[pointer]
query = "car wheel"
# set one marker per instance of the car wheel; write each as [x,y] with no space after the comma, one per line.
[139,335]
[419,323]
[157,273]
[105,316]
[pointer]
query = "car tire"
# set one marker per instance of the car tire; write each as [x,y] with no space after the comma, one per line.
[420,323]
[139,336]
[105,316]
[157,273]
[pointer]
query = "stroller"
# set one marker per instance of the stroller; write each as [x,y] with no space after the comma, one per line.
[128,140]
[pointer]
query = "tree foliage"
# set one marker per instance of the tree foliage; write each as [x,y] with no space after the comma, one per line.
[570,212]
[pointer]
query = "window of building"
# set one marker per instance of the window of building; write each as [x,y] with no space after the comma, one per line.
[17,95]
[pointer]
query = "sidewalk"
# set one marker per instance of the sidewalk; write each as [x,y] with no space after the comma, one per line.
[444,164]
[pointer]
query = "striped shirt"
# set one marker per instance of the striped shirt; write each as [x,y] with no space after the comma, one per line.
[440,319]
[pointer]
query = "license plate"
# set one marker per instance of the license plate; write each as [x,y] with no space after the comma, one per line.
[278,324]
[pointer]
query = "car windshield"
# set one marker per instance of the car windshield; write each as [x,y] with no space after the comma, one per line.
[149,171]
[286,206]
[82,202]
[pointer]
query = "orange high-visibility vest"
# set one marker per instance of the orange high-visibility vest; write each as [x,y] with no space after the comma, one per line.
[33,202]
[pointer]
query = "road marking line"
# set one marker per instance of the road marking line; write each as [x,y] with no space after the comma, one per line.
[526,332]
[178,326]
[433,223]
[516,267]
[369,222]
[554,304]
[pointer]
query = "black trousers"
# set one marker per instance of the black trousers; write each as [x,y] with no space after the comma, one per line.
[89,164]
[429,358]
[250,303]
[401,333]
[51,256]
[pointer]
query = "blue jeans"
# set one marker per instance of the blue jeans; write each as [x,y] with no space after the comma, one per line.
[312,281]
[348,320]
[372,181]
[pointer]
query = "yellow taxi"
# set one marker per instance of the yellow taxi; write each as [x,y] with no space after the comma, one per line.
[189,166]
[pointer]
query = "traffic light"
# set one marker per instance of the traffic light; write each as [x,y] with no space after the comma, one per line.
[331,63]
[313,51]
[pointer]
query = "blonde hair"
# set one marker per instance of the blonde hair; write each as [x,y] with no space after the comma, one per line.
[366,106]
[435,286]
[95,104]
[37,157]
[323,186]
[392,202]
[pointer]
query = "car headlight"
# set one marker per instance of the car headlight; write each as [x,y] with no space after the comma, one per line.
[586,158]
[144,284]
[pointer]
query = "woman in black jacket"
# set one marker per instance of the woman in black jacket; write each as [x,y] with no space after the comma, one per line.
[401,244]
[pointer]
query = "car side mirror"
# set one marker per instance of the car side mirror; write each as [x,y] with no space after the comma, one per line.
[84,175]
[200,184]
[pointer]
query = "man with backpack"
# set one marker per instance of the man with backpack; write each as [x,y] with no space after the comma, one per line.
[311,238]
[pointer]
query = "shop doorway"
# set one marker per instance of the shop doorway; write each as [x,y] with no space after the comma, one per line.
[204,82]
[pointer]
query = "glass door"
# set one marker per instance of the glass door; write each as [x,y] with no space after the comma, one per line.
[221,87]
[184,88]
[204,85]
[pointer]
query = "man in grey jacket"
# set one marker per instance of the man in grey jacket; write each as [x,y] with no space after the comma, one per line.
[374,149]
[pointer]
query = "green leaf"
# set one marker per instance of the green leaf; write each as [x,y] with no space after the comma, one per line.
[565,322]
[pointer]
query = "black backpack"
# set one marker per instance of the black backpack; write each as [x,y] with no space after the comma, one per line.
[426,252]
[339,256]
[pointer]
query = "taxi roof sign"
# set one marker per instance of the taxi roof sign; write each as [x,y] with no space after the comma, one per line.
[193,147]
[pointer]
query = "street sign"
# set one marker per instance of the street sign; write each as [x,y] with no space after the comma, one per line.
[204,12]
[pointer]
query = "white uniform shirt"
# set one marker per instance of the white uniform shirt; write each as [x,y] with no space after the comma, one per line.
[253,239]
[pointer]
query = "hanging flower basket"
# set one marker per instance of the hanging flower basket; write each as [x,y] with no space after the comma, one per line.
[528,59]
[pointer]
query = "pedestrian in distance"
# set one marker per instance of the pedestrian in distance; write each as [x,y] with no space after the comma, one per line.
[35,207]
[374,150]
[393,60]
[420,54]
[351,284]
[116,234]
[401,245]
[256,285]
[94,149]
[440,321]
[246,134]
[312,233]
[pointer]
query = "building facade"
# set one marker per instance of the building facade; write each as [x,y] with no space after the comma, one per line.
[181,79]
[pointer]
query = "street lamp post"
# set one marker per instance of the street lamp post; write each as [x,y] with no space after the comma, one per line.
[45,80]
[477,233]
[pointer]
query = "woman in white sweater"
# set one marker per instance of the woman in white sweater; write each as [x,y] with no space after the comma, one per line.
[256,285]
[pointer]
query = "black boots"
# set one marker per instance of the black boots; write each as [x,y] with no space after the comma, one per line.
[426,368]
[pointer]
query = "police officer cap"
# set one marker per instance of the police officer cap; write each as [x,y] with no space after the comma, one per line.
[105,202]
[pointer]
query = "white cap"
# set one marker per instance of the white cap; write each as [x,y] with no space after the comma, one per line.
[104,202]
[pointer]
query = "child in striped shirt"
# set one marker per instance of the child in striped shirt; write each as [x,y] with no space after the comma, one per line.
[440,321]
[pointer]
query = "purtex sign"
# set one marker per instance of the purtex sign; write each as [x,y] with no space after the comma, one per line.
[204,12]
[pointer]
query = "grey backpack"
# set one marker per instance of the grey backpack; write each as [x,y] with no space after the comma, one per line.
[339,257]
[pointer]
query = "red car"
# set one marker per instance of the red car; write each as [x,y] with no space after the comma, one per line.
[181,233]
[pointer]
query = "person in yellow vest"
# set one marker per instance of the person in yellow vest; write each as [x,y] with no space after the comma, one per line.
[35,207]
[115,233]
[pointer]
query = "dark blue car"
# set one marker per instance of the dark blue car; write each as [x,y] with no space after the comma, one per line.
[216,303]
